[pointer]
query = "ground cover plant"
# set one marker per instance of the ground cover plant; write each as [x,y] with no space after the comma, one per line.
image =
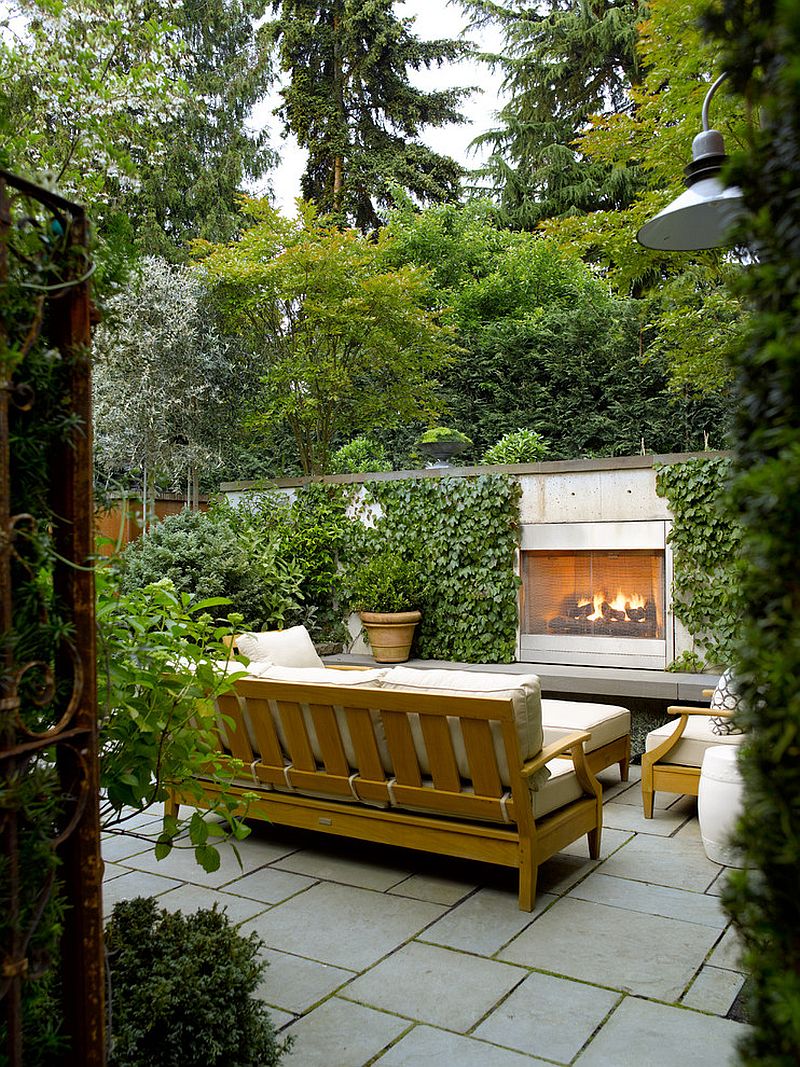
[183,991]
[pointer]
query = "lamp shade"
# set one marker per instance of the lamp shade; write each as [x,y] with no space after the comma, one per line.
[701,217]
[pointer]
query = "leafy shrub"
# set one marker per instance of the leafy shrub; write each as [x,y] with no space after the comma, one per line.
[157,683]
[221,554]
[519,446]
[386,582]
[359,456]
[183,991]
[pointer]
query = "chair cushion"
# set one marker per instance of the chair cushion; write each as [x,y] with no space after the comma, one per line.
[605,722]
[726,697]
[692,746]
[284,648]
[561,787]
[523,690]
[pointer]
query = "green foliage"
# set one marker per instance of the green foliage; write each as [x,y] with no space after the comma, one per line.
[441,434]
[385,582]
[345,344]
[562,63]
[706,547]
[545,344]
[221,554]
[349,101]
[360,456]
[183,991]
[208,150]
[760,45]
[462,534]
[518,446]
[158,675]
[694,320]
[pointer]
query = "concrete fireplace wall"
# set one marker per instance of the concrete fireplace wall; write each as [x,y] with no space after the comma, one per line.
[616,489]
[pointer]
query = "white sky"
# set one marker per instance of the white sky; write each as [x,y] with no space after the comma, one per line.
[434,19]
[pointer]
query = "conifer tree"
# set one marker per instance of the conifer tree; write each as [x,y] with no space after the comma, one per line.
[563,61]
[208,152]
[349,101]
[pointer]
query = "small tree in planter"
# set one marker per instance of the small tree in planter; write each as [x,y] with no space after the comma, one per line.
[386,591]
[441,443]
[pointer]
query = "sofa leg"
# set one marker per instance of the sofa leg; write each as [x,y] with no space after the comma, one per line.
[624,766]
[171,807]
[594,842]
[527,879]
[648,796]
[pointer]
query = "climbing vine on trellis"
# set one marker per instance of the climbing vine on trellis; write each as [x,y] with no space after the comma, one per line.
[464,534]
[705,540]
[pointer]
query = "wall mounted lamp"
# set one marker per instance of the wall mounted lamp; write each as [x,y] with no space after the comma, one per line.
[703,215]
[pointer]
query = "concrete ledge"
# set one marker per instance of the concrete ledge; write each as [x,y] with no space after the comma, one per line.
[580,681]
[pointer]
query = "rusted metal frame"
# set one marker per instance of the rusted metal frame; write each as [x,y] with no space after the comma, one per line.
[9,835]
[74,736]
[72,503]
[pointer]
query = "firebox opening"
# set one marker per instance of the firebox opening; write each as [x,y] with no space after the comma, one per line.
[617,594]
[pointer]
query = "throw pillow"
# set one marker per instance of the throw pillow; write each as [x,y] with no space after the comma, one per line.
[726,697]
[284,648]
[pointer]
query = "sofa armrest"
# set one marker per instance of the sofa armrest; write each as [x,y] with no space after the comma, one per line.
[556,748]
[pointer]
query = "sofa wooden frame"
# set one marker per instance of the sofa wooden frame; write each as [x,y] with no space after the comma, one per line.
[479,819]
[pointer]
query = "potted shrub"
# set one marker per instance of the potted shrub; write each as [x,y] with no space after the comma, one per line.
[441,443]
[386,591]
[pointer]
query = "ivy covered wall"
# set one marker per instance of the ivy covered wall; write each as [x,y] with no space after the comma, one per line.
[465,533]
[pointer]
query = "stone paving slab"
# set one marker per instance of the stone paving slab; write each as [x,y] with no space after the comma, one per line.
[714,990]
[135,884]
[484,922]
[640,1032]
[435,985]
[343,1034]
[188,898]
[343,925]
[548,1016]
[440,1048]
[182,864]
[679,864]
[368,871]
[297,984]
[652,899]
[625,950]
[432,887]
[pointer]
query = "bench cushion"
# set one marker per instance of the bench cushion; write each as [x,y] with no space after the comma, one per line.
[605,722]
[286,648]
[691,748]
[523,690]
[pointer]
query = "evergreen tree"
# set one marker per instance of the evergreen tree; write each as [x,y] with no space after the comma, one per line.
[563,61]
[350,103]
[208,151]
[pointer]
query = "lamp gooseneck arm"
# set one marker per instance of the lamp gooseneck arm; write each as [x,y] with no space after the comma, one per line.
[707,100]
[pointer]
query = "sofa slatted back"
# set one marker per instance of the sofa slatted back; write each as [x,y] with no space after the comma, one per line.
[289,721]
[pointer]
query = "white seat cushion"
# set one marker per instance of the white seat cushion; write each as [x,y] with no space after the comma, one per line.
[561,787]
[285,648]
[605,722]
[691,748]
[523,690]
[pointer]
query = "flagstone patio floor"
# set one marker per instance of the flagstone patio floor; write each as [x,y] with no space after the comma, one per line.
[395,958]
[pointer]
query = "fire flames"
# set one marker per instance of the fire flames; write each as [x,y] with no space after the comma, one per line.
[621,605]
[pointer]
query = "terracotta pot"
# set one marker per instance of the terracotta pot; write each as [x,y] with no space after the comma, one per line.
[390,633]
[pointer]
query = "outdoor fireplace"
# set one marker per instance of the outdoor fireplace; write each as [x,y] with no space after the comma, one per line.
[595,594]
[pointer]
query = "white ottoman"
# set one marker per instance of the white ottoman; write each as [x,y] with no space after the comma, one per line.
[719,803]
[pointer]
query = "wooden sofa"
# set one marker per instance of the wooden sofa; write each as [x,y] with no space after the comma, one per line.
[378,765]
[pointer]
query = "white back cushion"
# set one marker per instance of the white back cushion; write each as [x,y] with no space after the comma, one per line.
[523,690]
[284,648]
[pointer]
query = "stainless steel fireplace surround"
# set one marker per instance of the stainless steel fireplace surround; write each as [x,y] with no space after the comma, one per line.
[596,594]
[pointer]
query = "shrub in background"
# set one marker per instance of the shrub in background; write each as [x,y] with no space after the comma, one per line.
[386,582]
[222,553]
[183,991]
[362,455]
[519,446]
